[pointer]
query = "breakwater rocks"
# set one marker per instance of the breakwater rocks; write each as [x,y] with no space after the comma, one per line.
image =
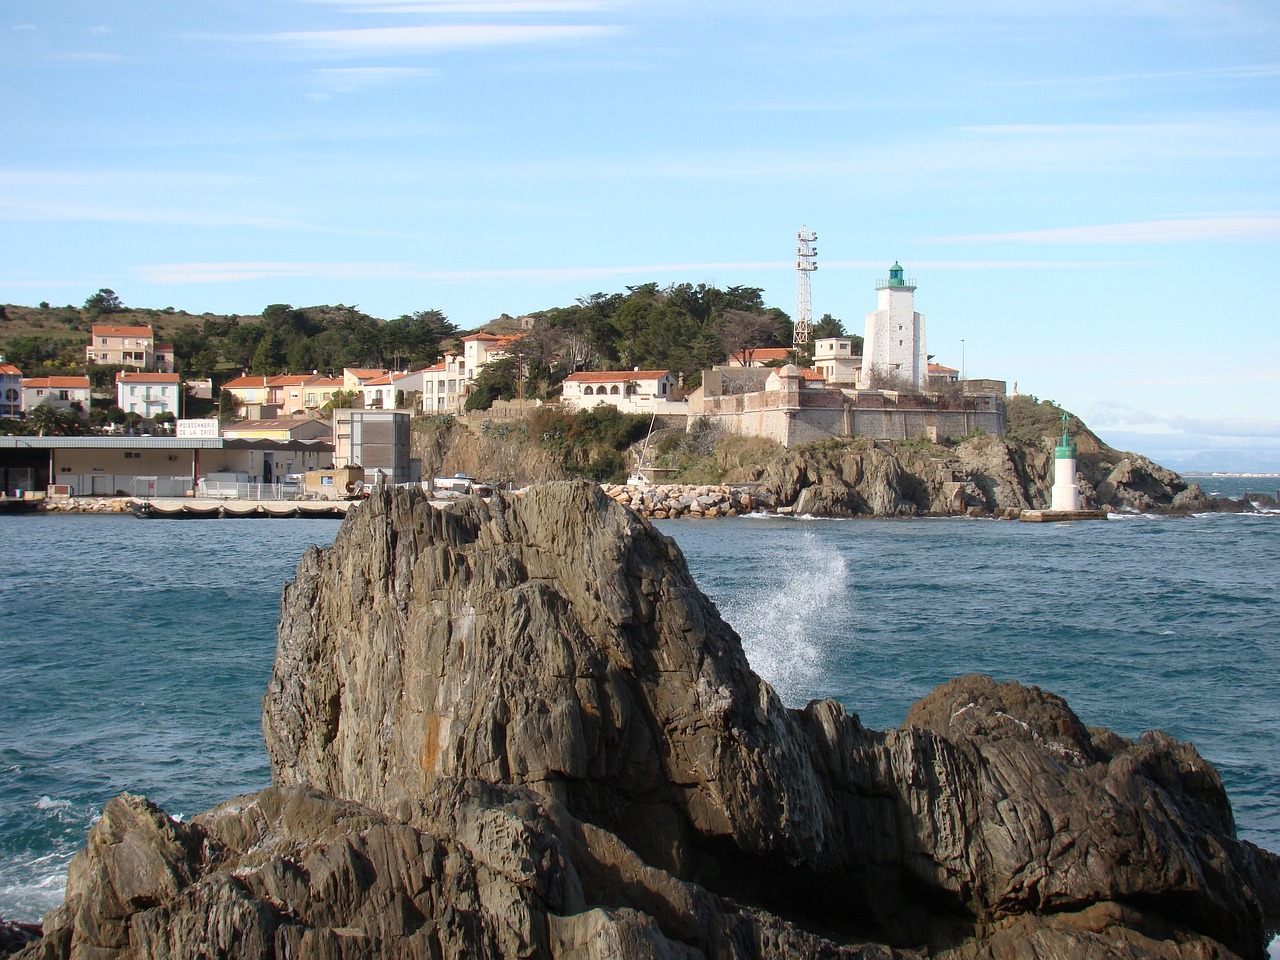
[88,504]
[517,729]
[667,501]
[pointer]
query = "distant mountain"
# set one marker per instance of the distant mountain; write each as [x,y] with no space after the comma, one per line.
[1223,461]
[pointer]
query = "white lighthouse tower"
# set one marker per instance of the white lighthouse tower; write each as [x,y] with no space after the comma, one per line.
[894,344]
[1065,494]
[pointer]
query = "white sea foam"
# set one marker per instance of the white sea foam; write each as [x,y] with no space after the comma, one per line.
[780,620]
[48,803]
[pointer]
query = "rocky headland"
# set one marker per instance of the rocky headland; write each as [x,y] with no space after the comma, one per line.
[517,729]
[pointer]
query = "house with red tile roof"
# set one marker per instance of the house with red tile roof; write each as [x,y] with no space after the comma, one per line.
[631,391]
[759,356]
[58,392]
[128,346]
[10,389]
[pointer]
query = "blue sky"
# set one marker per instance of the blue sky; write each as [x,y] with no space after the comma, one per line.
[1087,194]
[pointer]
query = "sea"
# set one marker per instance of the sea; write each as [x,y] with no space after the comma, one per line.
[134,653]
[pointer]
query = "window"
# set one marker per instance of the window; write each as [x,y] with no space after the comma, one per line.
[132,455]
[63,395]
[587,391]
[614,390]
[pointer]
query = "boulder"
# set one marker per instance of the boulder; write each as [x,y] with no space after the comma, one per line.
[518,729]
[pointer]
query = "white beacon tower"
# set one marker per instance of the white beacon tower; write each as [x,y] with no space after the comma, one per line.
[1065,495]
[894,344]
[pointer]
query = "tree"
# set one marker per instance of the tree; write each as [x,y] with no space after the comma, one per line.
[827,327]
[743,333]
[48,421]
[228,405]
[104,301]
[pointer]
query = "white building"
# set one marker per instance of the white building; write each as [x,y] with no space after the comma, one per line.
[479,349]
[444,386]
[57,392]
[10,389]
[894,344]
[631,391]
[148,394]
[833,357]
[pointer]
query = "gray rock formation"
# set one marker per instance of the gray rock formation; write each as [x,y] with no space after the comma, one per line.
[519,730]
[983,474]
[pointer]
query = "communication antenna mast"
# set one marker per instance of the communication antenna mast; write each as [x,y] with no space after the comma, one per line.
[806,263]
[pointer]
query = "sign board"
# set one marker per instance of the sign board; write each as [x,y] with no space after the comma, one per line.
[191,429]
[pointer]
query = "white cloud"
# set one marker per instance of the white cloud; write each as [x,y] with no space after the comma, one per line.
[87,57]
[1245,229]
[400,39]
[100,29]
[11,209]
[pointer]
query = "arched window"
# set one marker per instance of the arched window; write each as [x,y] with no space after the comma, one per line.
[614,390]
[587,391]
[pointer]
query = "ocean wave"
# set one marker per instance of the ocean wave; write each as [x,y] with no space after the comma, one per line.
[48,803]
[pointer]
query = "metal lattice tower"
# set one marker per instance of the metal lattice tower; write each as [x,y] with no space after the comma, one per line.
[806,263]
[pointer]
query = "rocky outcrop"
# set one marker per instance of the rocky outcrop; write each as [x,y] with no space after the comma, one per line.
[981,475]
[517,729]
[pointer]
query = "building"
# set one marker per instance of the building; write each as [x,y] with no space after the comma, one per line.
[759,356]
[58,392]
[380,392]
[833,357]
[794,406]
[148,394]
[149,466]
[319,391]
[282,429]
[444,386]
[250,391]
[631,391]
[940,376]
[10,389]
[354,378]
[128,347]
[479,349]
[893,350]
[287,392]
[378,441]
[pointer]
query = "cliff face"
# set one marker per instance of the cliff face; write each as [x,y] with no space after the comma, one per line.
[519,730]
[986,474]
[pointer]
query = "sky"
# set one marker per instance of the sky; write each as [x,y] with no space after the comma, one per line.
[1086,194]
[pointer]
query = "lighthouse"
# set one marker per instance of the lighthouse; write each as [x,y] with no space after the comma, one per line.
[1066,495]
[894,344]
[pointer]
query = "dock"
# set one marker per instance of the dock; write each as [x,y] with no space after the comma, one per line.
[206,508]
[1056,516]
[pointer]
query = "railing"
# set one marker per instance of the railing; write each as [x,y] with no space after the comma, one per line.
[227,489]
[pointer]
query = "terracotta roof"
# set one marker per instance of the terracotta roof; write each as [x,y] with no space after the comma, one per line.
[765,353]
[362,373]
[327,383]
[122,377]
[62,383]
[9,370]
[384,381]
[481,336]
[290,379]
[615,376]
[244,383]
[164,348]
[939,368]
[808,374]
[110,330]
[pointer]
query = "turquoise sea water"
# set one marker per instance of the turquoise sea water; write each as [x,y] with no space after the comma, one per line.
[134,654]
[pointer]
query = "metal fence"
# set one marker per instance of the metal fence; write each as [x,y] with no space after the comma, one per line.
[228,490]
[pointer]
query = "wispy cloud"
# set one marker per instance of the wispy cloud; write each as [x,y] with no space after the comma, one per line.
[11,209]
[232,272]
[1242,229]
[1124,418]
[100,29]
[440,37]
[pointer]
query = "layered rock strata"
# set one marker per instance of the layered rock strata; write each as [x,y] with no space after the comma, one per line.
[517,729]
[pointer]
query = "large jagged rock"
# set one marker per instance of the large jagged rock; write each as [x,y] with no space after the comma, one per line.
[547,743]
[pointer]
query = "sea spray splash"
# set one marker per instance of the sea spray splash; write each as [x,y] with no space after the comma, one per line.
[781,622]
